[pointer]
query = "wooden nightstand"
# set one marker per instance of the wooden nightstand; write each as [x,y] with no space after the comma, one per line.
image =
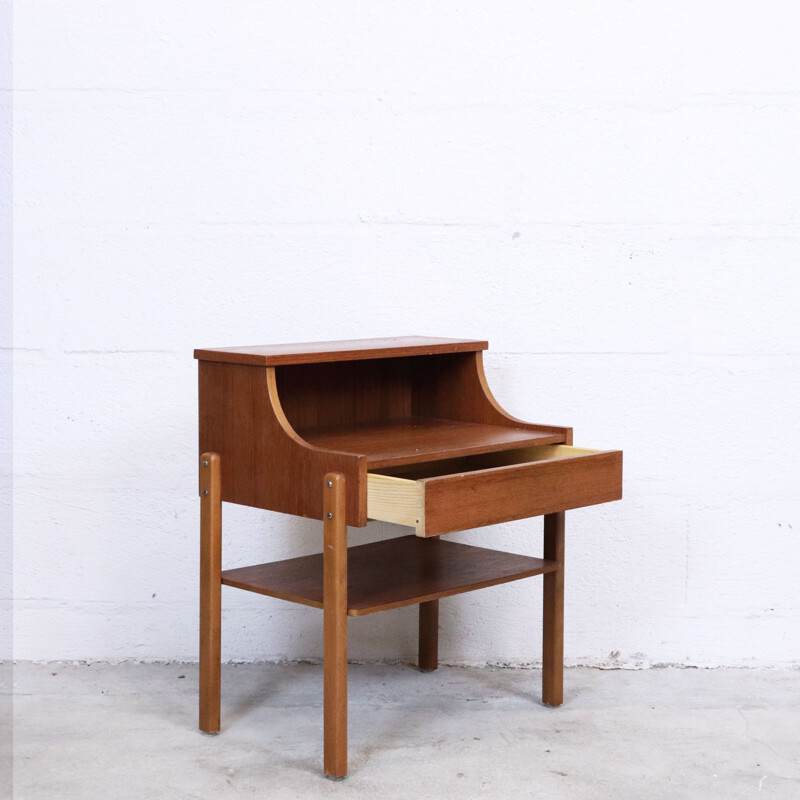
[403,430]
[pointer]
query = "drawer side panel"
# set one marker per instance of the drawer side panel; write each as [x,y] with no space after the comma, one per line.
[396,500]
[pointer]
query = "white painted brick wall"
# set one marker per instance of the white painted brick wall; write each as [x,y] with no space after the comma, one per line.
[606,191]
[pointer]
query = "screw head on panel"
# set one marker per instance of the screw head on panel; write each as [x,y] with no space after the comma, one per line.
[205,463]
[330,484]
[205,491]
[330,516]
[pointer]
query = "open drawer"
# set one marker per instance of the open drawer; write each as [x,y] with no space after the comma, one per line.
[454,494]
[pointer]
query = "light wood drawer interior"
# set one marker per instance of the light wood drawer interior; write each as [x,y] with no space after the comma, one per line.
[454,494]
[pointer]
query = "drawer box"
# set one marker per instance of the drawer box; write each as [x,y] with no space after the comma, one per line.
[456,494]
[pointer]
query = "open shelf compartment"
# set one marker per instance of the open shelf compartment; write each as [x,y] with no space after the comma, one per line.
[410,440]
[390,574]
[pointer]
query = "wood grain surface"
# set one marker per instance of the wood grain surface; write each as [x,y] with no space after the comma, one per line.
[553,612]
[345,350]
[390,574]
[410,440]
[210,591]
[334,588]
[266,464]
[473,499]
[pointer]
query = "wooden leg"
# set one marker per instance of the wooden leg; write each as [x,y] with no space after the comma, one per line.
[553,625]
[210,590]
[335,624]
[429,635]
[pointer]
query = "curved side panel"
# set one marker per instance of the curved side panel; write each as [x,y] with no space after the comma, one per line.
[459,390]
[264,463]
[504,415]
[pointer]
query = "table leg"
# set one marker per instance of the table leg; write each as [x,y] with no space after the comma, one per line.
[335,625]
[553,624]
[429,635]
[210,591]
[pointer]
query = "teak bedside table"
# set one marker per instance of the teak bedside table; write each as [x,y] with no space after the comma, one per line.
[403,430]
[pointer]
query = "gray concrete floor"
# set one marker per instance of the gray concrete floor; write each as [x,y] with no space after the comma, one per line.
[128,732]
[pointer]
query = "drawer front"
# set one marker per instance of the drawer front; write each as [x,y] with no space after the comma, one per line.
[554,478]
[472,499]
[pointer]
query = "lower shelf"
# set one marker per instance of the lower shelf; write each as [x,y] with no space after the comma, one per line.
[390,574]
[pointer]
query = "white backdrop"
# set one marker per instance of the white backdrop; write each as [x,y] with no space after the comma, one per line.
[608,192]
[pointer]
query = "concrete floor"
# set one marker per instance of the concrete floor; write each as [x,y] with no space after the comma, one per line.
[128,732]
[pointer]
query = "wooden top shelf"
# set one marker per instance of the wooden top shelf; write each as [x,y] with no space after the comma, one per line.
[390,574]
[347,350]
[408,440]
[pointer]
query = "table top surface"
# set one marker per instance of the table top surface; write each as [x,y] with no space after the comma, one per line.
[346,350]
[412,440]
